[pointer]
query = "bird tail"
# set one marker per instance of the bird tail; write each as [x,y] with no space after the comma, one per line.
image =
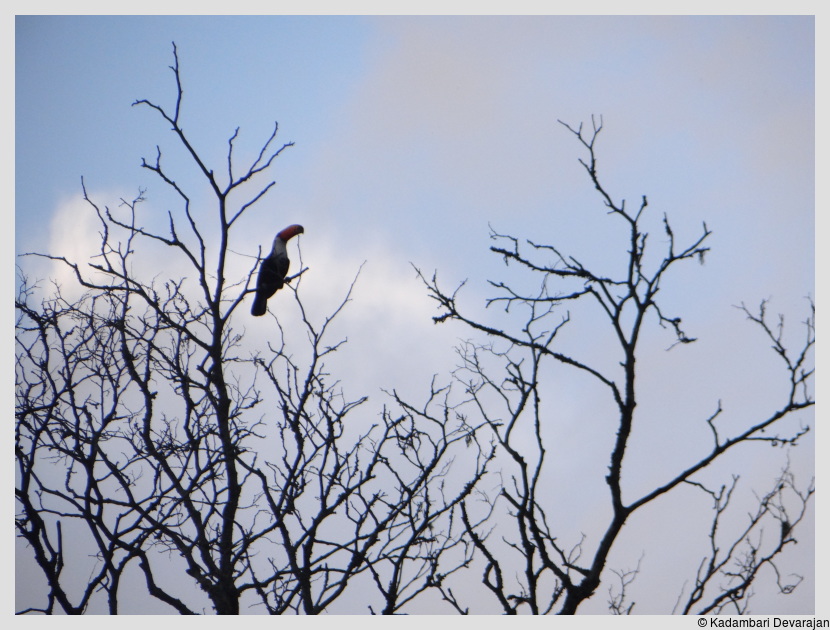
[259,306]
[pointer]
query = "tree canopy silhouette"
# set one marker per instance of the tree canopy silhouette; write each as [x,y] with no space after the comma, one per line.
[159,452]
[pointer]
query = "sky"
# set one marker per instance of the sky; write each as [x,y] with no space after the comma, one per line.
[415,135]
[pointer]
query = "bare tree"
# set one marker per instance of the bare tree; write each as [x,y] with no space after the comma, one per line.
[517,531]
[157,447]
[151,444]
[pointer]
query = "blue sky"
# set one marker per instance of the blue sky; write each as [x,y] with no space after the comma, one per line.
[414,134]
[411,122]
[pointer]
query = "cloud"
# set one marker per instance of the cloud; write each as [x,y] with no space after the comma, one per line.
[72,233]
[392,341]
